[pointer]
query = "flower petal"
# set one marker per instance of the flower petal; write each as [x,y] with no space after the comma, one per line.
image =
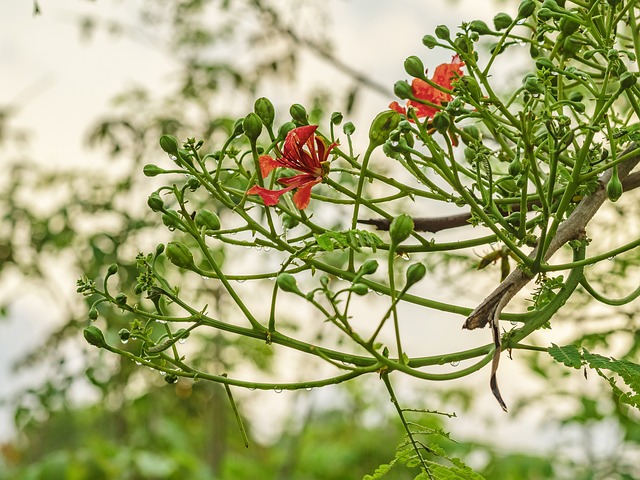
[267,164]
[396,106]
[298,181]
[303,195]
[269,197]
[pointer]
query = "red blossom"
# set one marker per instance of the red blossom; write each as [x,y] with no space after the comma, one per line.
[311,161]
[443,76]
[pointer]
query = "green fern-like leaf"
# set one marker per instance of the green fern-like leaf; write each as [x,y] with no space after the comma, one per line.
[457,471]
[568,355]
[628,371]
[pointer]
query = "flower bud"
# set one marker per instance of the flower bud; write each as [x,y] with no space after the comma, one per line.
[441,122]
[627,80]
[264,109]
[568,25]
[526,8]
[121,299]
[470,84]
[403,90]
[124,334]
[349,128]
[614,187]
[180,255]
[429,41]
[155,202]
[112,270]
[576,96]
[172,220]
[367,268]
[359,289]
[515,167]
[473,132]
[299,114]
[442,32]
[170,378]
[289,221]
[336,118]
[415,273]
[571,46]
[151,170]
[479,27]
[400,229]
[414,67]
[252,126]
[238,128]
[93,314]
[285,128]
[169,144]
[93,335]
[544,62]
[532,85]
[502,21]
[207,219]
[382,126]
[159,249]
[287,283]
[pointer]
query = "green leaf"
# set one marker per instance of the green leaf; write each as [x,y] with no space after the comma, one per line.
[569,355]
[458,471]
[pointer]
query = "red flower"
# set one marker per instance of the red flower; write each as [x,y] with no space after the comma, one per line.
[443,76]
[311,161]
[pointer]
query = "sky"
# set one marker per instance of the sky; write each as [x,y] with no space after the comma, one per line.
[60,85]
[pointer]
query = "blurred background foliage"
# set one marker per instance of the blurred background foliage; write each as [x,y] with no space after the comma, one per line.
[97,417]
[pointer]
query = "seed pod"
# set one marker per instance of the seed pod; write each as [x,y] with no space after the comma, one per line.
[151,170]
[382,126]
[414,66]
[400,229]
[359,289]
[93,335]
[614,187]
[299,114]
[252,126]
[287,283]
[180,255]
[169,144]
[502,21]
[264,109]
[155,202]
[415,273]
[207,219]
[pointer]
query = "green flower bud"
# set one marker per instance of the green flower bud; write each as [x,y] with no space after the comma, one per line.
[289,221]
[533,86]
[568,26]
[112,270]
[207,219]
[171,219]
[348,128]
[414,67]
[284,129]
[367,268]
[515,218]
[359,289]
[121,299]
[151,170]
[502,21]
[382,126]
[415,273]
[470,84]
[400,229]
[299,114]
[170,378]
[94,336]
[124,334]
[546,14]
[442,32]
[627,80]
[515,167]
[473,132]
[576,96]
[336,118]
[252,126]
[429,41]
[526,8]
[180,255]
[155,202]
[571,46]
[441,122]
[169,144]
[544,62]
[614,187]
[287,283]
[578,107]
[159,249]
[479,27]
[93,314]
[238,128]
[403,90]
[264,109]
